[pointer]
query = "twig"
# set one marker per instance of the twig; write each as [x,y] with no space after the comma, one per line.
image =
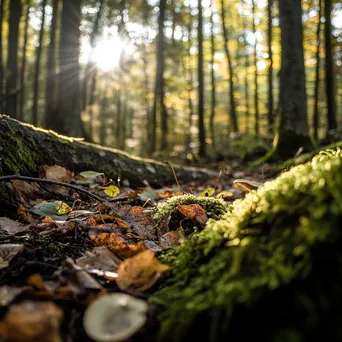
[174,174]
[51,182]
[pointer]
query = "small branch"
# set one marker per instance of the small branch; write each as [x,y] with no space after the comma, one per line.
[51,182]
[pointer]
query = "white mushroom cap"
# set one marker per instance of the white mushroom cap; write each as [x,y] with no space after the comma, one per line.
[114,317]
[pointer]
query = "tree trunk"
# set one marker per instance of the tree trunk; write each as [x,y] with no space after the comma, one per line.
[201,127]
[270,104]
[51,78]
[213,82]
[232,112]
[91,66]
[329,70]
[2,4]
[256,93]
[23,62]
[317,80]
[293,131]
[25,149]
[159,85]
[246,80]
[12,59]
[68,119]
[118,118]
[37,68]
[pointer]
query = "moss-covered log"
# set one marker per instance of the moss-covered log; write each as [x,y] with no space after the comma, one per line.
[23,148]
[270,269]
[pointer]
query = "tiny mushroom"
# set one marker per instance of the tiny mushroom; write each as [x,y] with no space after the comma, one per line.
[114,317]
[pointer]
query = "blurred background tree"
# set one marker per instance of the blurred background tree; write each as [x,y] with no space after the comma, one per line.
[176,78]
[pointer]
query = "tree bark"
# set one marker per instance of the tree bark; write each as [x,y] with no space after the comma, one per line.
[201,127]
[159,85]
[246,80]
[270,104]
[91,66]
[68,120]
[12,59]
[37,68]
[232,112]
[2,4]
[25,148]
[317,80]
[329,70]
[293,131]
[256,93]
[213,81]
[23,62]
[51,77]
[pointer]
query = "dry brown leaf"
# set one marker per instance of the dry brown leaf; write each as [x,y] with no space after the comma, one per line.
[32,322]
[99,258]
[57,173]
[171,239]
[116,243]
[8,252]
[12,227]
[140,272]
[9,293]
[194,212]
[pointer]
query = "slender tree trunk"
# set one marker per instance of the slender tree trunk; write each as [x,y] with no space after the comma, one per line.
[37,68]
[118,117]
[51,77]
[159,85]
[91,67]
[12,59]
[317,80]
[23,62]
[293,131]
[270,105]
[2,4]
[146,85]
[68,111]
[233,116]
[329,71]
[213,82]
[256,93]
[93,83]
[201,127]
[187,70]
[246,80]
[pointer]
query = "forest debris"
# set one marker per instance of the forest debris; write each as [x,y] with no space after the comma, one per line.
[8,252]
[171,239]
[56,173]
[99,258]
[140,272]
[116,243]
[32,322]
[246,185]
[115,317]
[195,213]
[9,293]
[12,227]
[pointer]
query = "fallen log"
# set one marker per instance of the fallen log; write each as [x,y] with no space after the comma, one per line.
[23,148]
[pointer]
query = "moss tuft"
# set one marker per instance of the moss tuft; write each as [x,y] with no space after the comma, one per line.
[274,238]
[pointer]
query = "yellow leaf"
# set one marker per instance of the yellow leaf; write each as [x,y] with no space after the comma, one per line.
[62,208]
[112,190]
[207,192]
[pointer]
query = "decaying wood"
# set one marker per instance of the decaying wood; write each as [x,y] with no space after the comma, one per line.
[23,148]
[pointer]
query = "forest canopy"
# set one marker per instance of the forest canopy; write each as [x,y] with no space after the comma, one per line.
[179,77]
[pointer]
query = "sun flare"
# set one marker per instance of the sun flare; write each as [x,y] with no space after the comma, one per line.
[106,54]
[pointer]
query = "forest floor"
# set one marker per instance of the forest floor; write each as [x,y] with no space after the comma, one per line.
[68,249]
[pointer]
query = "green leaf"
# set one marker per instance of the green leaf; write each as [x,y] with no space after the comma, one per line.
[48,209]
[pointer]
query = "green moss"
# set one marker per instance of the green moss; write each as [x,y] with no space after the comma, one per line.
[209,204]
[264,243]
